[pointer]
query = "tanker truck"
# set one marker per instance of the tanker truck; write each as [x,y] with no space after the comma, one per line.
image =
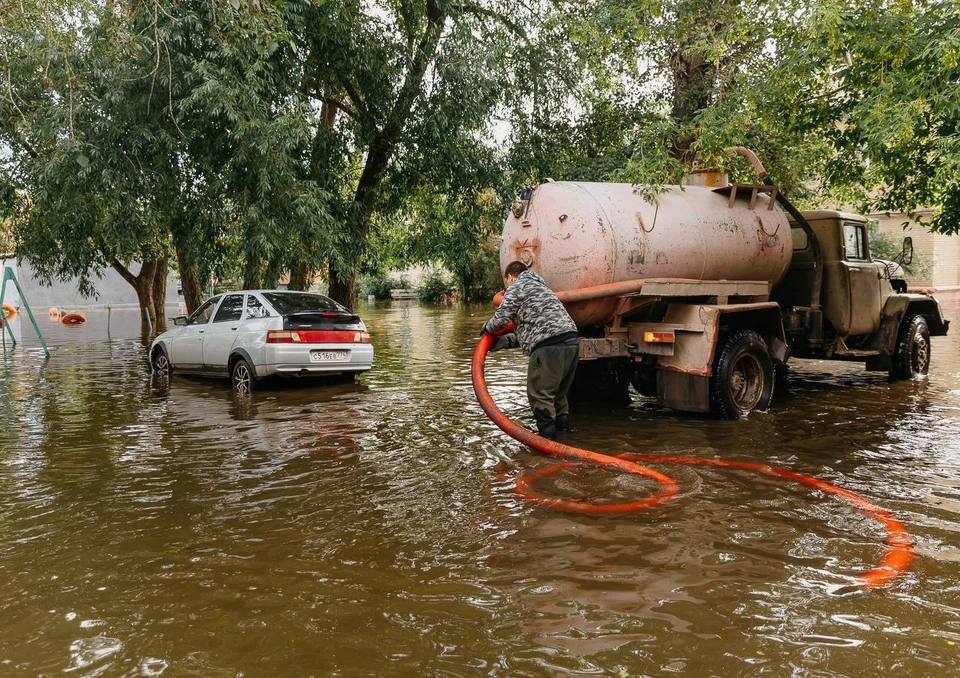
[700,294]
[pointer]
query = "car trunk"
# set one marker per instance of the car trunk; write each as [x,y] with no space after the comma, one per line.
[322,320]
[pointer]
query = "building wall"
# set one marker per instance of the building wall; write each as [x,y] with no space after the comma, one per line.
[943,251]
[112,290]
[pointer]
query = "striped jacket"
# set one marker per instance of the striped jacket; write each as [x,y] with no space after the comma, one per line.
[534,309]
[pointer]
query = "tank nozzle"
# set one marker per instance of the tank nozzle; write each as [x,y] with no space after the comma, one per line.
[750,156]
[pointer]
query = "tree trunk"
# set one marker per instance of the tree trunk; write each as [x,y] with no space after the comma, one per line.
[189,282]
[300,277]
[159,294]
[153,274]
[694,87]
[343,286]
[251,273]
[272,275]
[381,149]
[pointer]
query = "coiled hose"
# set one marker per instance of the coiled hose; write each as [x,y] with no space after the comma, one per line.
[895,560]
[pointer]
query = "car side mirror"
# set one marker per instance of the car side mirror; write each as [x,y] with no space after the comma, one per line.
[907,253]
[180,320]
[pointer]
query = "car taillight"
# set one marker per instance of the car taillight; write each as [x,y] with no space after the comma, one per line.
[284,337]
[317,337]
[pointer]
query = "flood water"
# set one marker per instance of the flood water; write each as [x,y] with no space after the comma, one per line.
[373,529]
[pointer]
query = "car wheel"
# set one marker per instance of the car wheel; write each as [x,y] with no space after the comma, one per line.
[160,363]
[912,356]
[242,376]
[742,378]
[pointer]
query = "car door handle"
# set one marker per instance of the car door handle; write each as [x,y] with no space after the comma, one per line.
[233,328]
[200,331]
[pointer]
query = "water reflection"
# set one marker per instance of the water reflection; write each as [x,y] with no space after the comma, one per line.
[370,529]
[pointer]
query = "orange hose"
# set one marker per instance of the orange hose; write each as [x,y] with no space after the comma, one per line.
[668,487]
[899,551]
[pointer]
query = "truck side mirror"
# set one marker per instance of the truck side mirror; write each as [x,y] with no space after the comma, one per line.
[906,256]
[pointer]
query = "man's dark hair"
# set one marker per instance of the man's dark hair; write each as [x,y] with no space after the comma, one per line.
[514,268]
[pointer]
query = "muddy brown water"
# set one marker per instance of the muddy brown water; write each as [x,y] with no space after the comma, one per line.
[373,529]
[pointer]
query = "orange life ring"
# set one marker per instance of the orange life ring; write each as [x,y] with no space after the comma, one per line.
[9,311]
[73,319]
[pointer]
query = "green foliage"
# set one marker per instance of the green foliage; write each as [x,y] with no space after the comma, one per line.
[379,286]
[435,287]
[482,279]
[872,85]
[256,138]
[890,248]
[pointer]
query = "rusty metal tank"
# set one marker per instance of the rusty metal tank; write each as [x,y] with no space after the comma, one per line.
[584,234]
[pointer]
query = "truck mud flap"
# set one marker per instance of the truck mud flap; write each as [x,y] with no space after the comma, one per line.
[684,392]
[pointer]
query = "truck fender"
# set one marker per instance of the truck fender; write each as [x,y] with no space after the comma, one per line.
[699,326]
[899,306]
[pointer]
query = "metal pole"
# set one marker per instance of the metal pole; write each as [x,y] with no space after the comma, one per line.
[7,271]
[8,275]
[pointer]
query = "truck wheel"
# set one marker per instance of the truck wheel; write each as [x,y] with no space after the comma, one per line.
[912,356]
[742,378]
[242,377]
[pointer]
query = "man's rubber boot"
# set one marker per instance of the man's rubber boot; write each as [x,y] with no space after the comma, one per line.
[547,429]
[563,423]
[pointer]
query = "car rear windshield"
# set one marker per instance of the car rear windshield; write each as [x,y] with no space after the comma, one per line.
[288,303]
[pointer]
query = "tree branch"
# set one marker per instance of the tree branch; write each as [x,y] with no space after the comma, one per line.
[27,146]
[124,272]
[385,140]
[339,104]
[841,88]
[471,8]
[355,97]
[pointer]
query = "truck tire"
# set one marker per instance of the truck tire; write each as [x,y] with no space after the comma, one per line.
[911,358]
[743,377]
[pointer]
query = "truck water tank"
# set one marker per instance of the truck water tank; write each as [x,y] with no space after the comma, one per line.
[584,234]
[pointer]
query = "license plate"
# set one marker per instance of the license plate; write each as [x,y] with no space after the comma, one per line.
[327,356]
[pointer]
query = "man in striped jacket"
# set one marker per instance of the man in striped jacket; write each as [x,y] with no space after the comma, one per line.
[546,333]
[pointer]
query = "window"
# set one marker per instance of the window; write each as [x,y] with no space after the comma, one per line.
[799,236]
[288,303]
[230,309]
[855,241]
[255,309]
[202,315]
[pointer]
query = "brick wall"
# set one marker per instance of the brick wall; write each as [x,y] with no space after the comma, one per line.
[943,251]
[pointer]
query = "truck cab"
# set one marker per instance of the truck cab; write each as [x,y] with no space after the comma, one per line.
[862,304]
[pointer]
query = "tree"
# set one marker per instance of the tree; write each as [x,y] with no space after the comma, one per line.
[399,81]
[878,87]
[79,155]
[153,124]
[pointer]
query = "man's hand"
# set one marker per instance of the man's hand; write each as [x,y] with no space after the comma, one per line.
[483,330]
